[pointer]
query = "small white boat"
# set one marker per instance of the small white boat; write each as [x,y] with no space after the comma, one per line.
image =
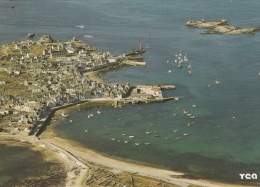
[71,121]
[185,112]
[91,115]
[217,82]
[137,143]
[113,139]
[148,132]
[176,131]
[178,138]
[88,36]
[123,134]
[64,115]
[147,143]
[131,136]
[169,71]
[80,26]
[126,141]
[191,117]
[98,112]
[86,130]
[186,134]
[194,106]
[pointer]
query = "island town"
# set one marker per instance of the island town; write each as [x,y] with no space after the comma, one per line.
[40,77]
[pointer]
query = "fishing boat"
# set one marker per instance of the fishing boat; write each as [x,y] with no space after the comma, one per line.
[134,52]
[217,82]
[98,112]
[176,131]
[131,136]
[137,143]
[147,143]
[64,115]
[178,138]
[191,117]
[148,132]
[209,85]
[186,134]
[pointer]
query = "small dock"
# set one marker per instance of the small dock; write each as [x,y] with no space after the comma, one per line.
[135,63]
[167,87]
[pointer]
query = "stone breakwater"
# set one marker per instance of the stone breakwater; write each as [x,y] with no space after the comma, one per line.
[220,27]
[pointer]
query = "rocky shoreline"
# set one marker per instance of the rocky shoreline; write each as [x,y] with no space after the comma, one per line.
[220,27]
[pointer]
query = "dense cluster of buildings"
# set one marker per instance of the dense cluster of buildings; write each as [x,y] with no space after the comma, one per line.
[54,78]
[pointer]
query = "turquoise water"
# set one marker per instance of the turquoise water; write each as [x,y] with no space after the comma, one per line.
[229,111]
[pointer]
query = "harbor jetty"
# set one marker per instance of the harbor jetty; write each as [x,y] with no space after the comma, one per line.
[220,27]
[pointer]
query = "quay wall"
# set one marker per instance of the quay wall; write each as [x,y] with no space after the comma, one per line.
[129,62]
[46,119]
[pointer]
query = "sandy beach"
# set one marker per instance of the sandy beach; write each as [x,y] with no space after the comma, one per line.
[116,166]
[93,75]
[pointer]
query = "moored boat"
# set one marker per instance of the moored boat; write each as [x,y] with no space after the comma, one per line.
[134,52]
[64,115]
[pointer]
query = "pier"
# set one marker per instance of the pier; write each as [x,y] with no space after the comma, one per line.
[134,63]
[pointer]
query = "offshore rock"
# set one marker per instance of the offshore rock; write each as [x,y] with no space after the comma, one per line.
[220,27]
[203,24]
[30,35]
[46,38]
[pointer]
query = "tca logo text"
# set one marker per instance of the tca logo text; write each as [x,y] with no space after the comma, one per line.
[248,176]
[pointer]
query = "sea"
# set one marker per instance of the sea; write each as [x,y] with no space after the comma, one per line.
[223,138]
